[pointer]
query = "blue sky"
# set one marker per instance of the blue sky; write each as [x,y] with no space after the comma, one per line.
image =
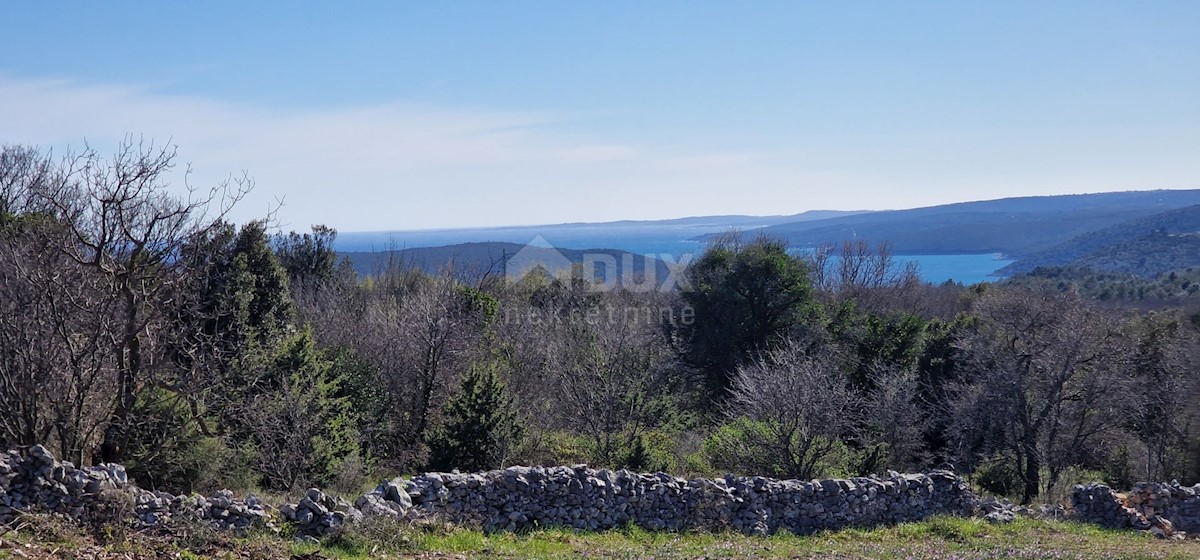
[390,115]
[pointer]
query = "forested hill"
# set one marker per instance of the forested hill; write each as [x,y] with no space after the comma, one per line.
[492,258]
[1144,247]
[1013,226]
[1178,288]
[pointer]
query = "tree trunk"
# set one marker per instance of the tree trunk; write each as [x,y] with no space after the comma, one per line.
[1032,476]
[112,449]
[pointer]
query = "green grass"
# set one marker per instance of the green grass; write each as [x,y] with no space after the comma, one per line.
[942,537]
[937,538]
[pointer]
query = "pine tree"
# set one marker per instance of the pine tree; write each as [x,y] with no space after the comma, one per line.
[480,425]
[301,426]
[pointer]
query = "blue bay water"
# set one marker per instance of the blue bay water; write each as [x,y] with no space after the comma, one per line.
[674,242]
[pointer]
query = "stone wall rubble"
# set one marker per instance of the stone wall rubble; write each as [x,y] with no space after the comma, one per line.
[1177,503]
[1167,510]
[35,481]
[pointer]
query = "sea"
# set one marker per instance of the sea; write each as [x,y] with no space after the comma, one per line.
[675,242]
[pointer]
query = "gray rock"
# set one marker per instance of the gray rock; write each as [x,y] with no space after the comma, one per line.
[1000,517]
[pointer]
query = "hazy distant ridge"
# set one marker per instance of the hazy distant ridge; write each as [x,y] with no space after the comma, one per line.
[1013,226]
[476,260]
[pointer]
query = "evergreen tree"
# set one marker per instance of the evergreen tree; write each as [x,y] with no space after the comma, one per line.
[747,297]
[895,340]
[370,403]
[309,258]
[262,284]
[480,425]
[301,426]
[238,299]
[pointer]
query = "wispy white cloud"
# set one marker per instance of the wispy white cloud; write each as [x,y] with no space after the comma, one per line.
[383,166]
[406,166]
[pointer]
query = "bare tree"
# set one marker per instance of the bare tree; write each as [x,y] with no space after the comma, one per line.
[124,226]
[23,170]
[873,279]
[869,275]
[418,332]
[437,329]
[611,371]
[1161,358]
[1042,380]
[56,374]
[56,371]
[894,422]
[803,404]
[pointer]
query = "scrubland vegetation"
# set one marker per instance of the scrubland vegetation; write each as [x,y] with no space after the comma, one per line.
[139,326]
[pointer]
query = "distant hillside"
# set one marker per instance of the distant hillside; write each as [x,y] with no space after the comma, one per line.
[1177,287]
[497,259]
[1147,256]
[1013,226]
[723,222]
[1145,247]
[577,235]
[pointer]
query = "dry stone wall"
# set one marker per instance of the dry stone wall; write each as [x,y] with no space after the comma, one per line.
[578,497]
[1099,504]
[509,499]
[1177,503]
[35,482]
[1162,508]
[587,499]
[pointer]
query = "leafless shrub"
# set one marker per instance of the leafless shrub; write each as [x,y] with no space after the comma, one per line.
[803,403]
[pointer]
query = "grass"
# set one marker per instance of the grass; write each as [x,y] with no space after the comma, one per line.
[937,538]
[942,537]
